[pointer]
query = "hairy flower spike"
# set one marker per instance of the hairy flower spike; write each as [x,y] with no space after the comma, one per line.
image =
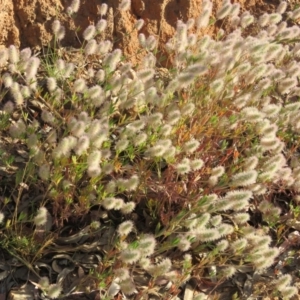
[289,291]
[161,268]
[128,208]
[75,5]
[224,11]
[222,245]
[191,146]
[239,244]
[55,26]
[241,218]
[51,84]
[147,245]
[103,9]
[82,144]
[196,164]
[281,8]
[101,25]
[13,54]
[127,286]
[183,167]
[91,47]
[44,172]
[122,273]
[139,24]
[125,5]
[130,256]
[244,178]
[41,217]
[218,171]
[89,32]
[1,217]
[54,290]
[125,228]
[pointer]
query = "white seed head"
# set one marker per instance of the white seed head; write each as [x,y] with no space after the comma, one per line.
[89,32]
[103,9]
[289,291]
[139,24]
[91,47]
[55,26]
[125,228]
[224,11]
[241,218]
[239,245]
[122,273]
[218,171]
[281,8]
[82,145]
[147,245]
[196,164]
[54,290]
[1,217]
[101,25]
[128,208]
[44,172]
[41,218]
[127,286]
[125,5]
[130,256]
[61,33]
[79,85]
[222,245]
[51,84]
[13,54]
[75,5]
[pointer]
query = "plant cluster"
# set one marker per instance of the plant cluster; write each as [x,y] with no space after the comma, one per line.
[201,156]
